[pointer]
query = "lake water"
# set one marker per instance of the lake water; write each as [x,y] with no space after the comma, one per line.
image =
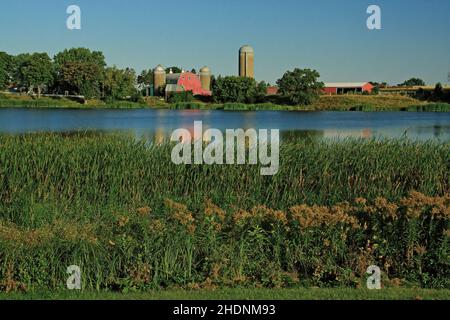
[160,123]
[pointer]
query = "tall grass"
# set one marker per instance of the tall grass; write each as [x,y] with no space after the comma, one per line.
[431,107]
[98,168]
[129,218]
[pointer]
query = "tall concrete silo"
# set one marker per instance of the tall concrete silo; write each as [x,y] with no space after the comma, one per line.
[205,78]
[246,62]
[159,78]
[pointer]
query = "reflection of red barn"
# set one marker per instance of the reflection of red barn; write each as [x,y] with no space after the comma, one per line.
[186,81]
[347,87]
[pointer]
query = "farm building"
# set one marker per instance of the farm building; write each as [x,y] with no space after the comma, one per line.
[347,87]
[185,81]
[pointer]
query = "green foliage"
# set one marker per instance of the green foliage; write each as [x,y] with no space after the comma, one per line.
[80,71]
[375,90]
[331,172]
[81,55]
[177,97]
[238,90]
[145,79]
[187,106]
[5,69]
[379,84]
[80,78]
[301,293]
[119,84]
[174,69]
[37,71]
[16,67]
[438,92]
[431,107]
[413,82]
[436,95]
[301,86]
[132,220]
[40,103]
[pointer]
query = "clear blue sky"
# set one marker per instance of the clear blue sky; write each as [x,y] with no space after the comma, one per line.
[328,35]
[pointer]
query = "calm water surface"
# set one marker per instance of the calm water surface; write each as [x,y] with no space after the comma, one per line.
[161,123]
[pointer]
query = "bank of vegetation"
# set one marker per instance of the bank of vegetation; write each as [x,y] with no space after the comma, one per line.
[324,103]
[80,78]
[132,220]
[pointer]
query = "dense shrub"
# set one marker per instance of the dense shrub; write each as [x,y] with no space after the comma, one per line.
[180,97]
[211,247]
[238,90]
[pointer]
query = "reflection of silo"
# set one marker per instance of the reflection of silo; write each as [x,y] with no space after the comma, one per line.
[205,78]
[246,62]
[159,75]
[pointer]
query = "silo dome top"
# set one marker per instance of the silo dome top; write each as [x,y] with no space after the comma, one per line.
[205,70]
[246,49]
[159,68]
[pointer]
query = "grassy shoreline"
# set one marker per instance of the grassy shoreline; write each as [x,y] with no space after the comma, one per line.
[325,103]
[134,221]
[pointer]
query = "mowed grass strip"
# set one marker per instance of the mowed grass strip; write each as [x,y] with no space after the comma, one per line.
[241,294]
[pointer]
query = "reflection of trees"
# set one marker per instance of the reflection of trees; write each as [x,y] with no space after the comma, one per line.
[437,131]
[293,135]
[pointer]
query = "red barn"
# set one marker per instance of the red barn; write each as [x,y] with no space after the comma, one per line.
[347,87]
[186,81]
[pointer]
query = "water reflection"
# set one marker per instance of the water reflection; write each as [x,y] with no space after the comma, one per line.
[157,125]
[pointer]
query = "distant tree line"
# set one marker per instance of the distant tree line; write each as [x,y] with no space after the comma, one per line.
[436,95]
[77,71]
[297,87]
[80,71]
[412,83]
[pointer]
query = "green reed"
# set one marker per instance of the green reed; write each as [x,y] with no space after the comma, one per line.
[99,201]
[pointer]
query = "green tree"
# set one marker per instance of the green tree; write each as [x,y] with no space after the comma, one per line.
[145,79]
[5,69]
[438,92]
[412,82]
[119,84]
[237,89]
[37,71]
[174,69]
[300,86]
[261,91]
[16,69]
[80,71]
[379,84]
